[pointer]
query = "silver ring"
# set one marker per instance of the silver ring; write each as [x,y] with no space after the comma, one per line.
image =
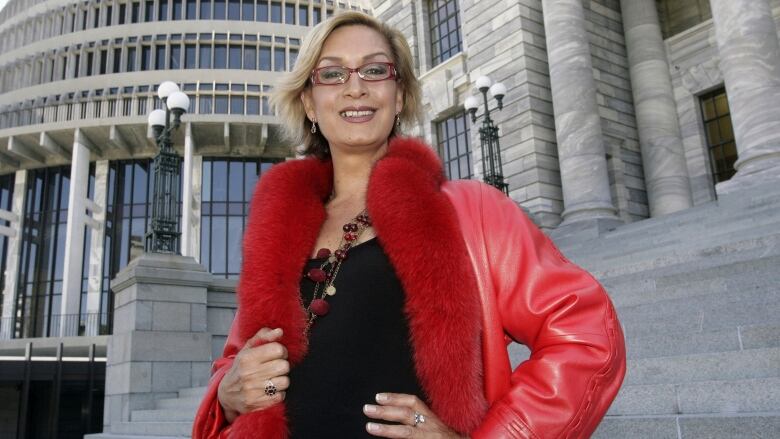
[270,388]
[418,418]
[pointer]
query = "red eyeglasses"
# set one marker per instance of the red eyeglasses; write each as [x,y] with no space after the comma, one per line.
[335,75]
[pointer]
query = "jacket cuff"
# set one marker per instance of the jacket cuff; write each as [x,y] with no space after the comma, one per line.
[501,423]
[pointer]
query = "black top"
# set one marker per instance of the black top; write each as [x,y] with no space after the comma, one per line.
[360,348]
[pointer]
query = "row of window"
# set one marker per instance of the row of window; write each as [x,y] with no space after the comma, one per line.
[79,17]
[265,53]
[237,99]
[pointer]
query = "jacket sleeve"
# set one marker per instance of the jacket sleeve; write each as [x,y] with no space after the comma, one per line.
[564,316]
[210,422]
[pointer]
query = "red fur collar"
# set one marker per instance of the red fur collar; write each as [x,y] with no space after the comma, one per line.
[418,229]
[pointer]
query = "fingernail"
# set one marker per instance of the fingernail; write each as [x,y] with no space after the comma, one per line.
[372,426]
[278,330]
[368,408]
[381,397]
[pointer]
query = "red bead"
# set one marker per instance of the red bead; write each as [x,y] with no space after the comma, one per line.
[323,253]
[319,307]
[317,275]
[348,227]
[340,254]
[350,236]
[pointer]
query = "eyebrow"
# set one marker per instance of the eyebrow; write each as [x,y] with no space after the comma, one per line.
[339,59]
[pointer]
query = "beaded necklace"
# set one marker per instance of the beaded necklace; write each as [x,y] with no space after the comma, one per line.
[325,275]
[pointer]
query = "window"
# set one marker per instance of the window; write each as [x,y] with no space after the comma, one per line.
[316,16]
[219,9]
[162,11]
[135,12]
[220,56]
[117,60]
[262,10]
[159,59]
[247,10]
[205,10]
[39,290]
[221,104]
[176,10]
[234,9]
[149,11]
[279,60]
[235,57]
[226,189]
[253,105]
[191,9]
[205,104]
[453,144]
[103,61]
[445,30]
[122,13]
[6,199]
[175,60]
[303,15]
[293,57]
[146,57]
[109,11]
[265,58]
[276,12]
[189,56]
[250,58]
[205,57]
[236,104]
[720,134]
[131,59]
[289,13]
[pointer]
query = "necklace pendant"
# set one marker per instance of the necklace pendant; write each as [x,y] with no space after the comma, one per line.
[319,307]
[331,290]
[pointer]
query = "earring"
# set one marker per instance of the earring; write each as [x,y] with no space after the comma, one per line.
[398,120]
[314,127]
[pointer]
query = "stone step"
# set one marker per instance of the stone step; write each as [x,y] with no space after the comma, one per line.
[716,318]
[162,415]
[714,426]
[178,403]
[193,392]
[176,428]
[713,366]
[738,396]
[730,339]
[762,256]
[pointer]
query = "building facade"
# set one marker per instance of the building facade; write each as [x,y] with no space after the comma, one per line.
[616,110]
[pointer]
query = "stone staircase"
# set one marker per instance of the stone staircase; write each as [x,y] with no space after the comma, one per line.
[171,418]
[698,295]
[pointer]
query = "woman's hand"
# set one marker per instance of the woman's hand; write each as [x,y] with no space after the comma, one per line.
[243,388]
[403,408]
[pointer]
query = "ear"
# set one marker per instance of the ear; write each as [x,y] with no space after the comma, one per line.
[308,104]
[399,99]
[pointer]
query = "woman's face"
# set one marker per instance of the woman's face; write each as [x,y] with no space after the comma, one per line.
[356,116]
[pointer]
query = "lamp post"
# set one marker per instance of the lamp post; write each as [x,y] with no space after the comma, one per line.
[492,169]
[164,236]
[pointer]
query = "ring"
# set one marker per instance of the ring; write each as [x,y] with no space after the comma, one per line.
[270,388]
[418,419]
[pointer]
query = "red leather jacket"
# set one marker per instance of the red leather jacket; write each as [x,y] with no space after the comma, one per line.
[505,281]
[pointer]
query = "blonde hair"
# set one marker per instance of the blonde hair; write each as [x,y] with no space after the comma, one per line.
[286,98]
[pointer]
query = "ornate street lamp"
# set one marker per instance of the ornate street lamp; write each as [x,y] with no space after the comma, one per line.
[164,236]
[492,169]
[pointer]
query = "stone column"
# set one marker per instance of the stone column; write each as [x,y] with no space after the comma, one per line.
[663,156]
[96,246]
[750,62]
[197,176]
[581,155]
[74,238]
[16,219]
[186,196]
[160,342]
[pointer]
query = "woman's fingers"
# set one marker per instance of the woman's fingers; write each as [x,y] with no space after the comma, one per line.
[402,415]
[403,400]
[263,335]
[394,431]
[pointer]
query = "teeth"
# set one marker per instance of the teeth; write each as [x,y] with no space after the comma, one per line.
[357,113]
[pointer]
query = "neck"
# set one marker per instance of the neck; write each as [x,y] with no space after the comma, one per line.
[351,172]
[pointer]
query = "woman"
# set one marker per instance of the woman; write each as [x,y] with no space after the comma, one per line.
[376,299]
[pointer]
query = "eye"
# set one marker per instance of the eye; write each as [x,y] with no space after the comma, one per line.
[331,74]
[375,70]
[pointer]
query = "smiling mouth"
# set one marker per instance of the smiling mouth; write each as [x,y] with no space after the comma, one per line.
[356,113]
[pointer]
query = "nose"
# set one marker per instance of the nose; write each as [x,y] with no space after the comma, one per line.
[355,87]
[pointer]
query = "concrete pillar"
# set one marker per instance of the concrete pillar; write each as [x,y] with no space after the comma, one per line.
[96,247]
[581,155]
[12,257]
[750,62]
[663,156]
[74,238]
[197,176]
[186,196]
[160,301]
